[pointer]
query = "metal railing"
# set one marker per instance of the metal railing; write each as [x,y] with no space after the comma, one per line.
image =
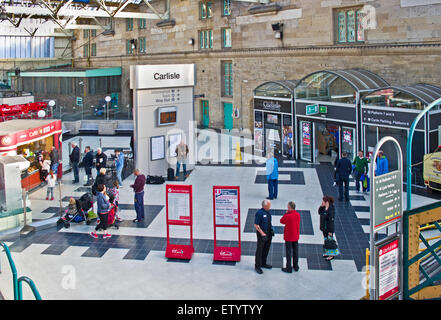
[17,282]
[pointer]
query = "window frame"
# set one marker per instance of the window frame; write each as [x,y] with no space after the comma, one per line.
[227,84]
[93,50]
[142,45]
[357,26]
[223,38]
[129,24]
[206,37]
[86,52]
[129,49]
[205,10]
[142,23]
[226,4]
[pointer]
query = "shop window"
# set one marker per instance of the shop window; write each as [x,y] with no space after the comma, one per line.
[27,85]
[142,23]
[349,26]
[142,45]
[129,24]
[93,49]
[39,85]
[227,8]
[101,85]
[206,39]
[226,37]
[205,10]
[227,79]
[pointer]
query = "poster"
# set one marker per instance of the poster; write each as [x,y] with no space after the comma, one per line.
[306,133]
[388,272]
[347,136]
[179,206]
[174,140]
[226,206]
[157,148]
[258,139]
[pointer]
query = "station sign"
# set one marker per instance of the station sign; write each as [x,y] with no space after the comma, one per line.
[388,199]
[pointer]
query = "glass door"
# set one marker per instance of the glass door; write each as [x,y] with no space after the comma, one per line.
[305,140]
[348,142]
[273,134]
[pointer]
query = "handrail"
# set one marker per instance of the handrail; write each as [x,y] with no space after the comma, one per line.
[31,285]
[13,269]
[17,283]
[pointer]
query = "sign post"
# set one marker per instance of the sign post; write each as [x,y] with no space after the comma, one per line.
[226,214]
[179,210]
[386,210]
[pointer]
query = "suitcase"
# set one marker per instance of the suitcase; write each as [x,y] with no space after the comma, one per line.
[170,174]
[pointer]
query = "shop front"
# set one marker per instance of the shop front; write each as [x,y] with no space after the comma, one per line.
[391,112]
[327,113]
[273,119]
[30,139]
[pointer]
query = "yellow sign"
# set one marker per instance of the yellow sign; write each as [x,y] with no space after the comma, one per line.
[432,170]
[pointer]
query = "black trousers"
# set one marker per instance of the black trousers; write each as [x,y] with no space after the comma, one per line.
[292,247]
[103,221]
[263,247]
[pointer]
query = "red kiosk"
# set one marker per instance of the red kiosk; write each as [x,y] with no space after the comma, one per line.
[226,214]
[179,209]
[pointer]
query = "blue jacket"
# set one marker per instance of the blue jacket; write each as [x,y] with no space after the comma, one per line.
[272,169]
[119,163]
[88,160]
[382,166]
[263,220]
[103,205]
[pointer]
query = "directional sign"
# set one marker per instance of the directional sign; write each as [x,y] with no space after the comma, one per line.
[312,109]
[387,202]
[79,101]
[323,109]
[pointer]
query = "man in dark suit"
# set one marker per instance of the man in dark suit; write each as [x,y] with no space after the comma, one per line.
[88,164]
[101,160]
[74,160]
[343,170]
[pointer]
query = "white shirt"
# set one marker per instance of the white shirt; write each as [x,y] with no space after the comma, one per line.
[51,181]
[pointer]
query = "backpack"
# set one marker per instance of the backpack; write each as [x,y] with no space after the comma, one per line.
[155,180]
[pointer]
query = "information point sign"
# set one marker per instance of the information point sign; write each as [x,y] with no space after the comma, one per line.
[179,210]
[226,214]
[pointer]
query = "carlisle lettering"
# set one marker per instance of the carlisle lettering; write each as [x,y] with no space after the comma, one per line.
[166,76]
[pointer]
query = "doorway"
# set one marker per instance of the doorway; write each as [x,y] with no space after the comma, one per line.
[205,114]
[273,134]
[228,115]
[327,142]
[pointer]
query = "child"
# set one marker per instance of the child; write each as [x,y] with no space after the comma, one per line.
[50,179]
[115,192]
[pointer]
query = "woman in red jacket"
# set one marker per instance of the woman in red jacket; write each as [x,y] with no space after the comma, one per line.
[291,234]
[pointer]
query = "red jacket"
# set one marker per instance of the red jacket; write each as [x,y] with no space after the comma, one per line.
[291,220]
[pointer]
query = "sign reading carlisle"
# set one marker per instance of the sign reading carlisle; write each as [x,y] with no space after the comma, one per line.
[162,76]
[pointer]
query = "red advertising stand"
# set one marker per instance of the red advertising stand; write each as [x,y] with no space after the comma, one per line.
[179,208]
[226,214]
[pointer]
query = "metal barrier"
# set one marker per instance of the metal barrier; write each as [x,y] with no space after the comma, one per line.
[422,267]
[17,282]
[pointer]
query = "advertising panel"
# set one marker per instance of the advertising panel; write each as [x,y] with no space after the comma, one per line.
[388,270]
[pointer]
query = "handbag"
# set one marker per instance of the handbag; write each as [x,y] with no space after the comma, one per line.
[330,244]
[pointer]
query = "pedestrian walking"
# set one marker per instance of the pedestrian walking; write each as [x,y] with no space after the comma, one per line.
[74,161]
[343,170]
[327,216]
[54,159]
[101,178]
[101,160]
[361,168]
[272,176]
[264,232]
[182,158]
[50,179]
[88,164]
[119,165]
[103,207]
[115,193]
[138,188]
[291,235]
[382,164]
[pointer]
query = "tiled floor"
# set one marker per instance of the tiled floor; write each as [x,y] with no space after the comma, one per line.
[135,254]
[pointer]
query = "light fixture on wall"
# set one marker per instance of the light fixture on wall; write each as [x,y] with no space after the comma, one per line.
[278,30]
[191,41]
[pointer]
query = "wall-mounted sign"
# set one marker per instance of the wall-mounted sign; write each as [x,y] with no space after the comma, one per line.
[79,101]
[306,133]
[390,117]
[335,112]
[157,148]
[272,105]
[167,116]
[312,109]
[162,76]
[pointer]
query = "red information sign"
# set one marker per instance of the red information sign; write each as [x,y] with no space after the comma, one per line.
[388,270]
[179,209]
[226,214]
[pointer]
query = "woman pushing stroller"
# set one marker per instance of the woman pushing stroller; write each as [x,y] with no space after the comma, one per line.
[103,208]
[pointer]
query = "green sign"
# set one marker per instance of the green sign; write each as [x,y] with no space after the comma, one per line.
[388,198]
[312,109]
[79,101]
[323,109]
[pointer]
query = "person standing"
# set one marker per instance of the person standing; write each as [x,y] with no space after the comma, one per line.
[103,207]
[101,160]
[291,234]
[119,165]
[45,164]
[272,176]
[327,216]
[88,164]
[74,160]
[54,159]
[264,232]
[343,170]
[138,188]
[382,164]
[50,179]
[361,168]
[181,157]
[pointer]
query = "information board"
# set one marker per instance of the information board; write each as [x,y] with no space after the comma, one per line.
[388,199]
[157,148]
[388,270]
[179,206]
